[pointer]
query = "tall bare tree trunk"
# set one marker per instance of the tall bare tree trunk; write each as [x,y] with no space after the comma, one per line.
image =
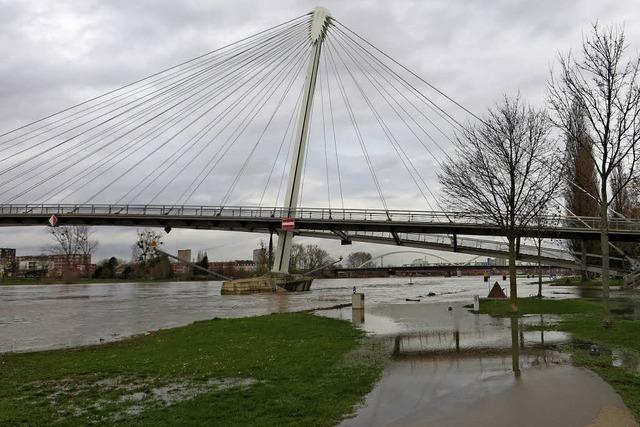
[539,268]
[604,246]
[515,347]
[513,290]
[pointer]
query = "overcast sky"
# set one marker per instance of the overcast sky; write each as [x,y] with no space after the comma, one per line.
[57,53]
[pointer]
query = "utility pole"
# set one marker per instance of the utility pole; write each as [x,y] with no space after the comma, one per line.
[317,31]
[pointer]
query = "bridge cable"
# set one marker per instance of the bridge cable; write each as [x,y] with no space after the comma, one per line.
[377,69]
[296,108]
[202,176]
[333,129]
[163,144]
[389,135]
[446,96]
[324,139]
[83,113]
[141,138]
[411,72]
[359,137]
[198,154]
[375,83]
[129,132]
[455,124]
[155,74]
[248,158]
[90,129]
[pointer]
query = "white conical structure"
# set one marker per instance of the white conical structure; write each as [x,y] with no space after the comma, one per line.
[317,31]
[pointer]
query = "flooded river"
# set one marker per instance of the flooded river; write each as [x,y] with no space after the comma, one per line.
[449,366]
[42,317]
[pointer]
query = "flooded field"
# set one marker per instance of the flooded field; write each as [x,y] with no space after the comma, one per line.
[448,365]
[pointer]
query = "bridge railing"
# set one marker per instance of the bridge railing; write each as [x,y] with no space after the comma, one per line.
[324,214]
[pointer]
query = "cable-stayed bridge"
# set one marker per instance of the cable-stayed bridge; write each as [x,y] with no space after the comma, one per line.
[207,144]
[442,231]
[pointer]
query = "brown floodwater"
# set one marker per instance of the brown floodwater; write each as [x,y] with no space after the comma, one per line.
[39,317]
[449,367]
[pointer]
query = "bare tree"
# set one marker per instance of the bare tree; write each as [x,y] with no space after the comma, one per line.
[315,257]
[507,169]
[356,259]
[71,240]
[307,257]
[607,89]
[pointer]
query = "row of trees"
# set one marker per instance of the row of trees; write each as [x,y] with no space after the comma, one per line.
[510,167]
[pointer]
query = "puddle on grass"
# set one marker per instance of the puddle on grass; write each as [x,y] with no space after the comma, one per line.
[112,399]
[626,359]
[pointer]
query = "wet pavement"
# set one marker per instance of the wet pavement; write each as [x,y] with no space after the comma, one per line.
[451,367]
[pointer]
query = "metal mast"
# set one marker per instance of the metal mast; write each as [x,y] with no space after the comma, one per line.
[317,31]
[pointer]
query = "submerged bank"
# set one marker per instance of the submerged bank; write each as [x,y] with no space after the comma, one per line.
[284,369]
[614,353]
[441,351]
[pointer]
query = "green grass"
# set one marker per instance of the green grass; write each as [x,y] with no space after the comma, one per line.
[583,320]
[284,369]
[533,305]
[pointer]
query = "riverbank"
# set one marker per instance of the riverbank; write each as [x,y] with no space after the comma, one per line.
[617,358]
[283,369]
[46,281]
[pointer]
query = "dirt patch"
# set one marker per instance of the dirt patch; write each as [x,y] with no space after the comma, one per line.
[611,415]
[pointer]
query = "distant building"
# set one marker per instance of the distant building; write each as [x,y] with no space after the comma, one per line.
[259,255]
[245,265]
[184,255]
[180,267]
[34,265]
[54,265]
[230,268]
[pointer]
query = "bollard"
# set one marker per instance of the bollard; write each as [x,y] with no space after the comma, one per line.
[476,303]
[357,301]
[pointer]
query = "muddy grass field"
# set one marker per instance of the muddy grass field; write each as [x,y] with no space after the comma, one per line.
[284,369]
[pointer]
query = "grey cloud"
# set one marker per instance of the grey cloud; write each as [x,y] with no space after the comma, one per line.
[59,53]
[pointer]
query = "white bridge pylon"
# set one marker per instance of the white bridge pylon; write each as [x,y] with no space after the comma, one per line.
[317,32]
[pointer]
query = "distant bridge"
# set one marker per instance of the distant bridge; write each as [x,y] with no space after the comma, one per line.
[429,269]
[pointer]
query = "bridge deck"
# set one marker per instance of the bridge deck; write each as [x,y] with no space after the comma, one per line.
[262,219]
